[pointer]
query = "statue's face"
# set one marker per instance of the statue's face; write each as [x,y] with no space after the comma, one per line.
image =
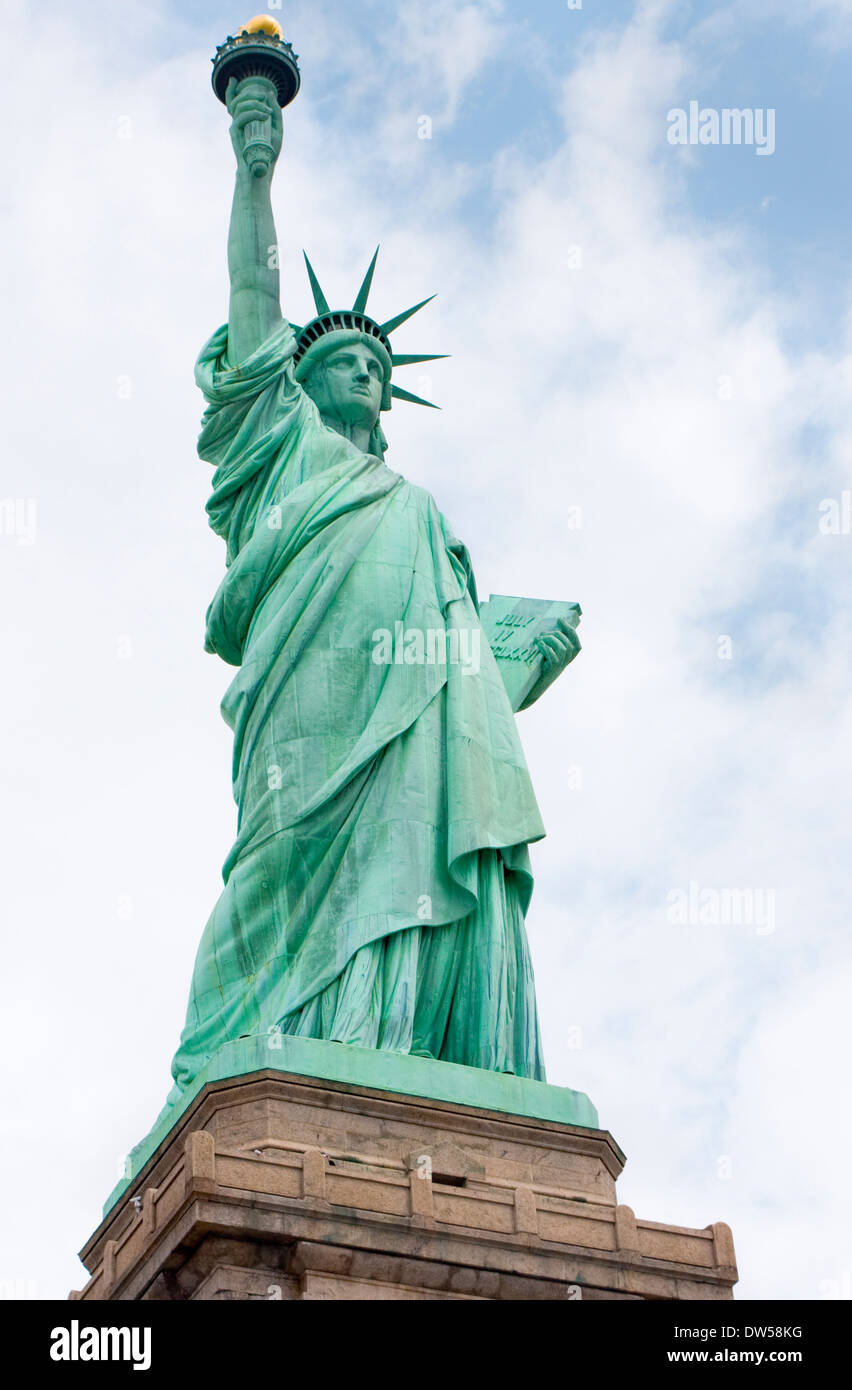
[348,386]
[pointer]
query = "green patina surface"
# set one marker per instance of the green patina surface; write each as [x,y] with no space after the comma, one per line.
[374,1070]
[377,890]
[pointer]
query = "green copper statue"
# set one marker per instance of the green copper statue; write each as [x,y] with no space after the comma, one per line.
[377,888]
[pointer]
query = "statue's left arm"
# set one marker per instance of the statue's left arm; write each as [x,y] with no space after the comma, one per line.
[558,649]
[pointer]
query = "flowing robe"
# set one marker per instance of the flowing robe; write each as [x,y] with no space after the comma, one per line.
[377,888]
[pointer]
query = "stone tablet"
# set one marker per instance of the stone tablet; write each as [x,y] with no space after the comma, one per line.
[512,625]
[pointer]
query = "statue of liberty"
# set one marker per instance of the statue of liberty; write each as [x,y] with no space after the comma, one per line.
[378,886]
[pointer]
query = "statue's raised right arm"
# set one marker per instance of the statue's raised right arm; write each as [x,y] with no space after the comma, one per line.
[255,306]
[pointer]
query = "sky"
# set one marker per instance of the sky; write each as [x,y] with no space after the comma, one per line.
[646,410]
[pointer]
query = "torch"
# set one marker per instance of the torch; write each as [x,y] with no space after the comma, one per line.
[259,50]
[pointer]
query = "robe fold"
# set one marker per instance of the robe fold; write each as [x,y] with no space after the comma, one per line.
[377,888]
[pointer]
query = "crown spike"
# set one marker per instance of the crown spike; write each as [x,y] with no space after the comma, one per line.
[401,318]
[320,300]
[363,294]
[401,395]
[407,359]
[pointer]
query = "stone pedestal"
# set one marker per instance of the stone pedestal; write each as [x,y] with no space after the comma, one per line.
[286,1186]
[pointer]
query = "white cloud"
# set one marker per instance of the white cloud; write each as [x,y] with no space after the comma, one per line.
[827,24]
[653,386]
[448,45]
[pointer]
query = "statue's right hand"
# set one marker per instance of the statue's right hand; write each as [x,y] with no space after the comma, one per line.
[253,99]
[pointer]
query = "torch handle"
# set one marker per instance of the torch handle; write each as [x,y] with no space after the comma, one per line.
[257,146]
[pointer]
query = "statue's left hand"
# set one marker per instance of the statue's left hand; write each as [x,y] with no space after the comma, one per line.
[558,649]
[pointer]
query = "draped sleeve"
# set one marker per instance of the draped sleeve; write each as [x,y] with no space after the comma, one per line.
[261,432]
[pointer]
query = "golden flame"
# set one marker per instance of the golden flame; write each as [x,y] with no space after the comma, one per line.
[263,24]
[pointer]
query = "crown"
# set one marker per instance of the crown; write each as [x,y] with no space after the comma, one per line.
[356,321]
